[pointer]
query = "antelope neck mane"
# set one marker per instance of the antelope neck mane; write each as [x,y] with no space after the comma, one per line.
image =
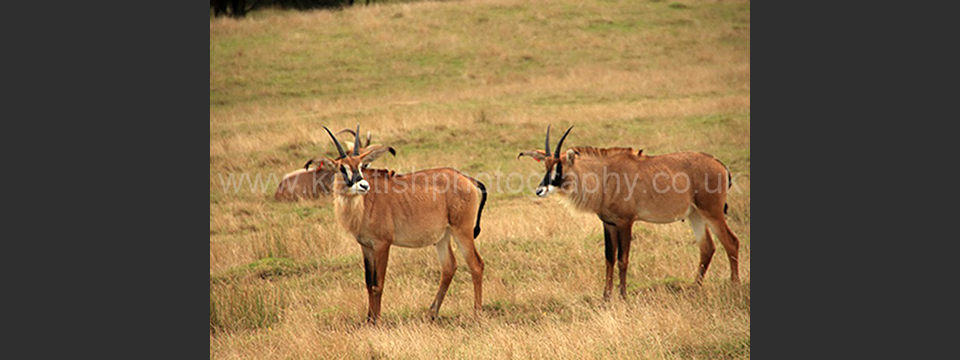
[383,174]
[571,194]
[378,173]
[604,152]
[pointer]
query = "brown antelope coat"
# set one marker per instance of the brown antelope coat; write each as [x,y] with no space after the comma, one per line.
[623,185]
[380,209]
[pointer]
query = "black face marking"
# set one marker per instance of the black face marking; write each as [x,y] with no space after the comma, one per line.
[350,180]
[558,177]
[554,176]
[346,178]
[546,179]
[356,176]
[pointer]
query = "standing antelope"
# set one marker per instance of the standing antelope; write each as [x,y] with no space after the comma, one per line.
[381,208]
[622,186]
[317,182]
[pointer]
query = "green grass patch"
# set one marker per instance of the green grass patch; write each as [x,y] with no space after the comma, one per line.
[265,268]
[670,284]
[532,312]
[610,25]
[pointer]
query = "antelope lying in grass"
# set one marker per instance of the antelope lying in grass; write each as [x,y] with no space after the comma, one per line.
[383,209]
[317,182]
[621,186]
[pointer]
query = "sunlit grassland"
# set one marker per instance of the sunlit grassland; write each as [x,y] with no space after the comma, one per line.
[469,84]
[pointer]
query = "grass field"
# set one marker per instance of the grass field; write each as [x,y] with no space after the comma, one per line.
[469,84]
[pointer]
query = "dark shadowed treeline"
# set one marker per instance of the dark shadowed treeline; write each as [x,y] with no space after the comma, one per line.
[240,8]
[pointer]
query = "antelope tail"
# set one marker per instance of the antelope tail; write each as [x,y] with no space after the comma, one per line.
[483,199]
[729,177]
[729,181]
[729,185]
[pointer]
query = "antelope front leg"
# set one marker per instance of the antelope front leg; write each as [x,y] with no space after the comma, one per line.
[370,272]
[381,251]
[610,244]
[625,236]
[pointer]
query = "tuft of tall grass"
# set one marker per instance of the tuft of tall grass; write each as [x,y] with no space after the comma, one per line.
[245,306]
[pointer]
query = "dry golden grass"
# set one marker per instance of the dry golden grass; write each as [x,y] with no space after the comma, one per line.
[469,84]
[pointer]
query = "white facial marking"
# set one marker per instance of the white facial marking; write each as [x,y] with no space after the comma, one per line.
[360,187]
[547,190]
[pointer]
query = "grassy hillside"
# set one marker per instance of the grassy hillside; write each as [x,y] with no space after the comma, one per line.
[469,84]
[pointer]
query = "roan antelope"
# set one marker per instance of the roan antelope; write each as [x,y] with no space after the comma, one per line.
[621,186]
[382,209]
[317,182]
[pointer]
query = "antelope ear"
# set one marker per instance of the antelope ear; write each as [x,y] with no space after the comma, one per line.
[538,155]
[321,163]
[570,156]
[374,152]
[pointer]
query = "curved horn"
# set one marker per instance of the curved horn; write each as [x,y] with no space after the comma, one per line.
[534,154]
[546,147]
[335,141]
[368,139]
[560,143]
[347,131]
[356,141]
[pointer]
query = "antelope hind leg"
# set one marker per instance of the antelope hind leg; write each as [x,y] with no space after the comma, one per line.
[468,249]
[448,266]
[702,235]
[730,243]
